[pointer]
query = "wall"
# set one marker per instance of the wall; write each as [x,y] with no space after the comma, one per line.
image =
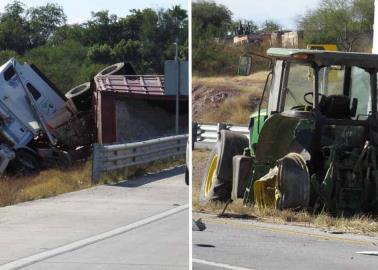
[292,39]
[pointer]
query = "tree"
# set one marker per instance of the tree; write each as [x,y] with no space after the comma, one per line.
[100,53]
[363,12]
[102,28]
[40,34]
[210,19]
[338,21]
[14,28]
[270,26]
[127,51]
[6,55]
[44,21]
[67,32]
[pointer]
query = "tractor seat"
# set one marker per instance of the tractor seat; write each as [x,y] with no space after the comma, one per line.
[336,106]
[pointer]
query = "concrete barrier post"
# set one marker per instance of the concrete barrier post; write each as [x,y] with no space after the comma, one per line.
[220,127]
[96,163]
[194,133]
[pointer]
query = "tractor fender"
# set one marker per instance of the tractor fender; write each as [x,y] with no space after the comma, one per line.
[231,144]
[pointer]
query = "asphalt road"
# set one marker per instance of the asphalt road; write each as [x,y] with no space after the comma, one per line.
[137,224]
[241,244]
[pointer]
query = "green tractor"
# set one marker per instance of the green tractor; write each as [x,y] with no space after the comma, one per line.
[315,145]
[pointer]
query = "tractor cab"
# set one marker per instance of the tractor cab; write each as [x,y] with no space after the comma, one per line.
[337,85]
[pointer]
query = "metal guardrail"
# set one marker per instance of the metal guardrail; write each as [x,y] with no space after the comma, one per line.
[117,156]
[206,135]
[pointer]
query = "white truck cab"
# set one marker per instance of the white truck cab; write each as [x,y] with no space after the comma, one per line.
[30,105]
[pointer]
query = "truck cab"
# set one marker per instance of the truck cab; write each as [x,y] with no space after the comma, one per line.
[31,108]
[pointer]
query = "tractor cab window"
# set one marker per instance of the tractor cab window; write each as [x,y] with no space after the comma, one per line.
[299,82]
[360,89]
[346,87]
[331,80]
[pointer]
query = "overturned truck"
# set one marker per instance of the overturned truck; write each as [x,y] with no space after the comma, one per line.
[314,146]
[39,126]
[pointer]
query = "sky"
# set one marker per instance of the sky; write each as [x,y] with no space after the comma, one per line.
[285,12]
[78,11]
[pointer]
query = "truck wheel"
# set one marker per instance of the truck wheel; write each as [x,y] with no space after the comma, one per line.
[217,181]
[115,69]
[24,164]
[293,182]
[81,96]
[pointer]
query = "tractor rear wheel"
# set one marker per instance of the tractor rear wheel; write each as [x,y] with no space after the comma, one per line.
[293,182]
[217,180]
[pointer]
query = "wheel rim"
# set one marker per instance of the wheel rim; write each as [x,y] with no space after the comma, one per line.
[211,174]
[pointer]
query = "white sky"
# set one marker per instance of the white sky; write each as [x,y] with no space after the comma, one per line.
[78,11]
[284,12]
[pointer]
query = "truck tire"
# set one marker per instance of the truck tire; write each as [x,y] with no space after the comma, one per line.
[81,96]
[24,164]
[216,182]
[117,69]
[293,182]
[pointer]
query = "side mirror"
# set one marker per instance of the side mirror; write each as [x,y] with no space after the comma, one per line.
[245,63]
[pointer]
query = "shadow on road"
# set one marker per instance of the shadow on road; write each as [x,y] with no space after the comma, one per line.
[149,178]
[236,216]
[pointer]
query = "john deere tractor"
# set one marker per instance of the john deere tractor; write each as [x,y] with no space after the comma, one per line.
[315,144]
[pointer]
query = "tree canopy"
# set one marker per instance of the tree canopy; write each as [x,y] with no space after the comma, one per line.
[41,35]
[338,21]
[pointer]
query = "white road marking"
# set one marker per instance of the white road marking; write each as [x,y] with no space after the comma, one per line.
[17,264]
[375,253]
[221,265]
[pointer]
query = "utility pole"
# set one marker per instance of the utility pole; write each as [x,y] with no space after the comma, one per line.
[178,87]
[375,28]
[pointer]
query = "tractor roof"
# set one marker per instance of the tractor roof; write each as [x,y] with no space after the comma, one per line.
[363,60]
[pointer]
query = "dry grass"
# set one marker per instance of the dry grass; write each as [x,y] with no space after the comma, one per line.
[53,182]
[153,167]
[358,224]
[242,96]
[48,183]
[235,110]
[236,82]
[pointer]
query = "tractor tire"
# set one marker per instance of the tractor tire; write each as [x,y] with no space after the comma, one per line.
[212,188]
[232,144]
[293,182]
[216,183]
[24,164]
[81,96]
[187,176]
[117,69]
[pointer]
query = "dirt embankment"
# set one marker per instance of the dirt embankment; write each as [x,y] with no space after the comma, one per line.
[226,99]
